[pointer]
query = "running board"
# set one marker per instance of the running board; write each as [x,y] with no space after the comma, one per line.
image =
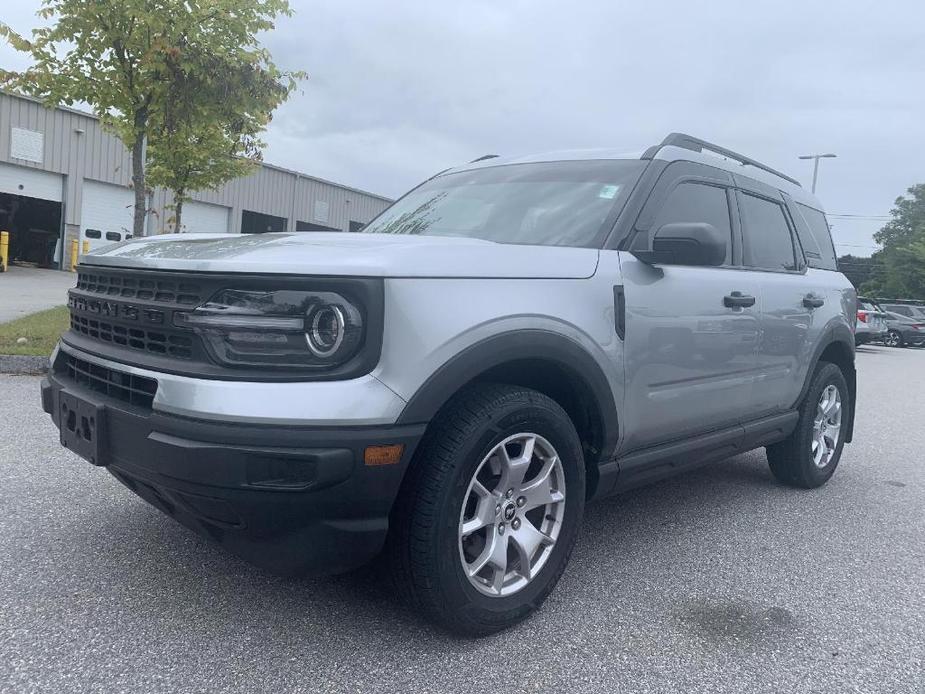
[651,464]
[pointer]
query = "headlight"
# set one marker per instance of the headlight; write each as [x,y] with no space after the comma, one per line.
[282,328]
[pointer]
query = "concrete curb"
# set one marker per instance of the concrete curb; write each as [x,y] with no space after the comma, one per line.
[20,364]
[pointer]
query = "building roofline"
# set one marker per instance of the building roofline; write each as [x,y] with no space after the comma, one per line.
[293,172]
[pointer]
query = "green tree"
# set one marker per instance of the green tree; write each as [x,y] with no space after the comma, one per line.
[856,268]
[208,129]
[908,223]
[898,270]
[118,56]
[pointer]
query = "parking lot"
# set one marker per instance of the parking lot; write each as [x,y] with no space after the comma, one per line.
[716,581]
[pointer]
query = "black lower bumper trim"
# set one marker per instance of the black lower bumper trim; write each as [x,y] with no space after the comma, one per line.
[291,499]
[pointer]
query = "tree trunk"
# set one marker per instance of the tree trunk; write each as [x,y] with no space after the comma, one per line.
[138,173]
[177,209]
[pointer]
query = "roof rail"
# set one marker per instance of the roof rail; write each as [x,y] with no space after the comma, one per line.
[697,145]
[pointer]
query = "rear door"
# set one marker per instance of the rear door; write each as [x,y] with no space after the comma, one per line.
[689,358]
[792,302]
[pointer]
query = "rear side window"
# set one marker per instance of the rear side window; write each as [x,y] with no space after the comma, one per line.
[768,244]
[696,202]
[900,309]
[813,230]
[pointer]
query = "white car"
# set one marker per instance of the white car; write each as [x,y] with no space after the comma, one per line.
[871,325]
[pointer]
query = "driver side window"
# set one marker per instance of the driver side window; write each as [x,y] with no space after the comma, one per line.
[697,202]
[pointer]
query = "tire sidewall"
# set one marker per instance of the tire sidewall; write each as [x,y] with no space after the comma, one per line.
[828,375]
[556,428]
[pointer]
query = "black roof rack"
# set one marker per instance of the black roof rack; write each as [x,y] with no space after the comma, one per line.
[697,145]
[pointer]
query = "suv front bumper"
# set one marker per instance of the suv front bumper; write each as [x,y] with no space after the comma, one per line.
[291,499]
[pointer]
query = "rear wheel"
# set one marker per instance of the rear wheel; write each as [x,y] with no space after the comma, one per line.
[809,456]
[486,520]
[894,338]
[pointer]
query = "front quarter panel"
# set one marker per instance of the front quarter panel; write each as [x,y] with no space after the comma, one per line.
[428,322]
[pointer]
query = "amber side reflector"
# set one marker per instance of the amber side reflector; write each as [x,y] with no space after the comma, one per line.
[383,455]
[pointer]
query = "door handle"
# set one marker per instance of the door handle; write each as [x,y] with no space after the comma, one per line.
[811,301]
[738,300]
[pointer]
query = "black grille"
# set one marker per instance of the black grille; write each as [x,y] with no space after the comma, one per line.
[128,388]
[167,291]
[157,342]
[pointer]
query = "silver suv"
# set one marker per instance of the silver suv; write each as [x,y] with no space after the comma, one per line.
[446,391]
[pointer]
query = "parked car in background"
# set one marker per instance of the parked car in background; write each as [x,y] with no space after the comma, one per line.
[908,310]
[903,331]
[871,323]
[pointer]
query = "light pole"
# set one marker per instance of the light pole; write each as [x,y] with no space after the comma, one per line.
[816,158]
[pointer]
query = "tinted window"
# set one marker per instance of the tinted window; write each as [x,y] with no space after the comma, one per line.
[813,230]
[551,204]
[113,236]
[903,310]
[695,202]
[93,233]
[768,243]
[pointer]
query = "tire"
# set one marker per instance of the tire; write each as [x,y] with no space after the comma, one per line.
[894,338]
[426,551]
[793,461]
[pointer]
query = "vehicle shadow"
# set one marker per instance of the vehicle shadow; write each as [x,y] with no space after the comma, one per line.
[185,575]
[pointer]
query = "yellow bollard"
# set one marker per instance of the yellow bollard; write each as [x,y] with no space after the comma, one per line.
[86,248]
[73,254]
[4,250]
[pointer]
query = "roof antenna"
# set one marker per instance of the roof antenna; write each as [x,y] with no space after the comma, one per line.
[484,157]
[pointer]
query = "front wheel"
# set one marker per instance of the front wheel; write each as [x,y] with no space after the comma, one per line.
[485,523]
[809,456]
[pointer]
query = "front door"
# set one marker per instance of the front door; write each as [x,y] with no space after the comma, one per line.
[691,332]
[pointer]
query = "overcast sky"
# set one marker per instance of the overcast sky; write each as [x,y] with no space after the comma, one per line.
[399,90]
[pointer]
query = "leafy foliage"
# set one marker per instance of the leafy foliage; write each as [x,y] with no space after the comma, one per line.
[856,268]
[898,270]
[171,71]
[220,96]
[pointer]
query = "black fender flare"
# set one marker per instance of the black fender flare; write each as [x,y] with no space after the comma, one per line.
[839,333]
[514,346]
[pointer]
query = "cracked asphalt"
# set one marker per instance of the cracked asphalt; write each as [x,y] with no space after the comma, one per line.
[716,581]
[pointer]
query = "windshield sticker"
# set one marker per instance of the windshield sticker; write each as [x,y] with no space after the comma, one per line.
[608,192]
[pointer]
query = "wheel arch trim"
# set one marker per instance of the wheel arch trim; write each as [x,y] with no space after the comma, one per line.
[509,347]
[837,334]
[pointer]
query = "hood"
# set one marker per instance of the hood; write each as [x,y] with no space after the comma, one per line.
[344,254]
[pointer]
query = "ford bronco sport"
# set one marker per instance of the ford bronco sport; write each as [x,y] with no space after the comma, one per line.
[447,389]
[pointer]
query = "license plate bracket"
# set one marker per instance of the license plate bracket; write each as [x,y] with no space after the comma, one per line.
[83,427]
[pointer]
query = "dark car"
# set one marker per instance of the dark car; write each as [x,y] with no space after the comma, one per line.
[913,311]
[903,331]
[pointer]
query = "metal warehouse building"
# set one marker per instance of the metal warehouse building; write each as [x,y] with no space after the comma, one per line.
[62,176]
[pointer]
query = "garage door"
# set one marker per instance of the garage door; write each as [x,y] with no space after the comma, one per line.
[204,218]
[21,180]
[106,213]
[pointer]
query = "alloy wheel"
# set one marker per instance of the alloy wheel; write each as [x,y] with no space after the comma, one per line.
[826,426]
[511,514]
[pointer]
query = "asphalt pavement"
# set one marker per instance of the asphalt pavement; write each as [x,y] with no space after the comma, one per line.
[717,581]
[25,290]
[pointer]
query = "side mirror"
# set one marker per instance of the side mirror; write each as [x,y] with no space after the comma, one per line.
[686,243]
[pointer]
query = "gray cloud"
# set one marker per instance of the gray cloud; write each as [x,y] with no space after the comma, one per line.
[400,90]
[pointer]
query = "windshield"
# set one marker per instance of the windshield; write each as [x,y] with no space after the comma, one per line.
[549,204]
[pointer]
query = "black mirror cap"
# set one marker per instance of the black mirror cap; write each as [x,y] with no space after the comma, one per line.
[686,243]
